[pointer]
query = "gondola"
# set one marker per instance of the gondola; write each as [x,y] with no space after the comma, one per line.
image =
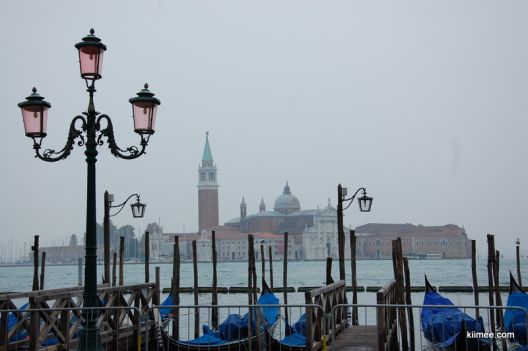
[447,328]
[295,339]
[232,333]
[515,319]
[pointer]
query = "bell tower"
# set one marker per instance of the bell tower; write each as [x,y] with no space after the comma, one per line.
[207,190]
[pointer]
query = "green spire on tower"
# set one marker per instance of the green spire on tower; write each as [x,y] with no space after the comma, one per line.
[207,157]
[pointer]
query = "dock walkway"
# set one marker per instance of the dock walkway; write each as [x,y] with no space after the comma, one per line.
[357,338]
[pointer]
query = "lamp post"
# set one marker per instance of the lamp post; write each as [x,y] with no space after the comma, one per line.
[365,203]
[138,211]
[88,130]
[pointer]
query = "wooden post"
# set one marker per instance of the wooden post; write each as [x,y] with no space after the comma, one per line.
[195,291]
[147,256]
[498,299]
[156,296]
[355,318]
[214,298]
[517,254]
[114,274]
[474,275]
[408,301]
[329,279]
[491,259]
[34,324]
[250,286]
[270,257]
[42,270]
[121,252]
[79,270]
[263,261]
[285,277]
[106,238]
[397,259]
[35,249]
[175,289]
[254,289]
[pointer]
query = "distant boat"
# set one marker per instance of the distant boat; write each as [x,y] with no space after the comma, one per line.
[424,256]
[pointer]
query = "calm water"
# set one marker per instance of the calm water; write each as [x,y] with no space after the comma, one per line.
[308,273]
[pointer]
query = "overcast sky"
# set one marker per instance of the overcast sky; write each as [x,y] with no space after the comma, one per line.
[422,102]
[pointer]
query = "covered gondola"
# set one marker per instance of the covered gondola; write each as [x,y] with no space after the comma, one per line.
[447,328]
[233,333]
[515,319]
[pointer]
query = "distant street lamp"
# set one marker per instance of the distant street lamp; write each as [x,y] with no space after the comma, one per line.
[365,203]
[35,116]
[138,211]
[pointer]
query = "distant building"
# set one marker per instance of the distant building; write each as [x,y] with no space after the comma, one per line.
[448,241]
[312,232]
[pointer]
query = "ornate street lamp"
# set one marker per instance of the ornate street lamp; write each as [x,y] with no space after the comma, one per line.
[88,130]
[138,211]
[365,203]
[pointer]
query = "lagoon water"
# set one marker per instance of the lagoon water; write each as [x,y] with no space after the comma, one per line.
[300,273]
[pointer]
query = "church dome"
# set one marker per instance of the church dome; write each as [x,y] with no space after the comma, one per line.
[287,203]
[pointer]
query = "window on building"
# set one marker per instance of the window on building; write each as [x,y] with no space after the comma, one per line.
[202,177]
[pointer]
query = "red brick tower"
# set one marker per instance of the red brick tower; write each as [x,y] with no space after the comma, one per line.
[207,190]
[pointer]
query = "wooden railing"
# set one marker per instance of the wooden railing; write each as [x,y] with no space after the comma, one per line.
[316,325]
[59,315]
[387,318]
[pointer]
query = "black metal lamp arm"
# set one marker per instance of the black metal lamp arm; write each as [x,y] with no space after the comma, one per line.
[129,153]
[74,133]
[351,199]
[122,205]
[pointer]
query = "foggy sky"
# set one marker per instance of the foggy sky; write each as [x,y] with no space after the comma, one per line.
[422,102]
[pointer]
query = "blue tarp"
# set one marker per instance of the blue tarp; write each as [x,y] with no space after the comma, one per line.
[442,326]
[514,319]
[166,311]
[296,334]
[235,326]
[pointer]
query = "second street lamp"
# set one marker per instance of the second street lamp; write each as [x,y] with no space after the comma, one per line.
[365,203]
[88,130]
[138,211]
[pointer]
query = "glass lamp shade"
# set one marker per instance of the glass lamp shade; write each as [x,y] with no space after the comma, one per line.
[35,115]
[138,209]
[91,52]
[365,203]
[144,109]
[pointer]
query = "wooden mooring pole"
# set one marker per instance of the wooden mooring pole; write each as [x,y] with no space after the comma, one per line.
[354,277]
[195,291]
[254,288]
[42,270]
[35,249]
[491,259]
[175,289]
[147,256]
[121,252]
[214,298]
[270,257]
[285,276]
[397,259]
[518,257]
[79,270]
[408,301]
[114,269]
[498,299]
[263,261]
[250,286]
[474,275]
[329,280]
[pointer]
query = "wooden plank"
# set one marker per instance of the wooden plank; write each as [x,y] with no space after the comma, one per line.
[356,338]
